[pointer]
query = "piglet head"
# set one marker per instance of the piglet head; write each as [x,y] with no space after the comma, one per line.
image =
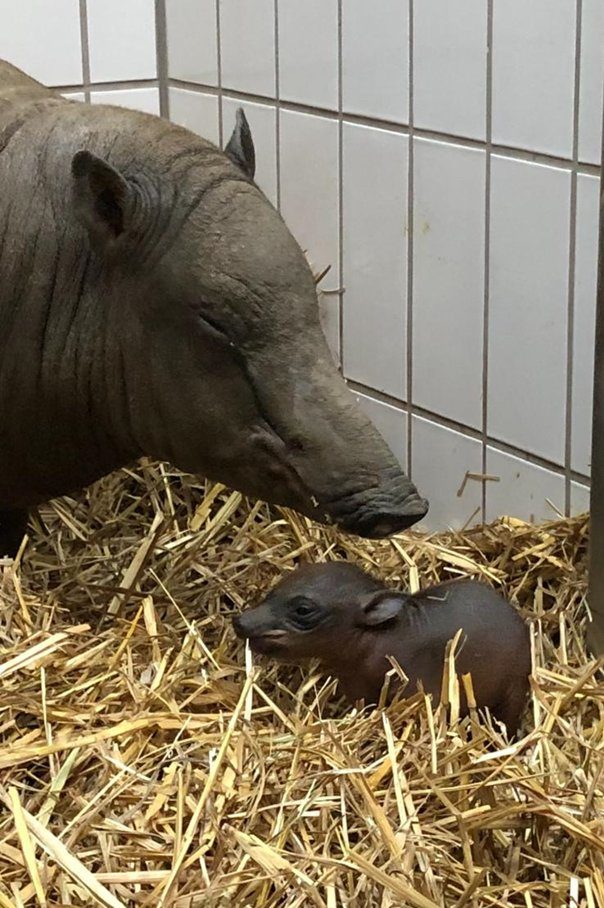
[323,611]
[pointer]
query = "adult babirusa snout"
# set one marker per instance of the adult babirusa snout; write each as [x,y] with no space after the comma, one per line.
[348,472]
[392,507]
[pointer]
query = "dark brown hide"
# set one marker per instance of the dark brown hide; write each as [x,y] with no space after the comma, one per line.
[350,622]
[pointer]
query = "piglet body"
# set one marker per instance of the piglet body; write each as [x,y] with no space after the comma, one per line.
[350,622]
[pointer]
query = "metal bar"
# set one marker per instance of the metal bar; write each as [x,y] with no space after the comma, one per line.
[595,631]
[161,50]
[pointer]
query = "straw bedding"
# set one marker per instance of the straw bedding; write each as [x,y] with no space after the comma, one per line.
[145,761]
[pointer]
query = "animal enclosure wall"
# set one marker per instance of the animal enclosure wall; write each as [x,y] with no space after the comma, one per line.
[442,158]
[103,51]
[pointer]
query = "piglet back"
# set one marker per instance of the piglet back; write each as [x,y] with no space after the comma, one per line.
[494,648]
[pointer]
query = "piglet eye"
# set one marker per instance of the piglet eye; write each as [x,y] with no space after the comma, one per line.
[304,614]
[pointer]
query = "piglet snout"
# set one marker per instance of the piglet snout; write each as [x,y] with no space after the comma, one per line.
[250,625]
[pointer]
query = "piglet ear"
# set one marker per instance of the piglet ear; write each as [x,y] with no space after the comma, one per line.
[240,147]
[101,197]
[379,608]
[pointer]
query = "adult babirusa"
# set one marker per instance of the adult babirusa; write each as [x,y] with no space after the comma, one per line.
[153,302]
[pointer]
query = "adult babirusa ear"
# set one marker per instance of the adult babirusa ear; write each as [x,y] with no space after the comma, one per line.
[379,608]
[102,197]
[240,147]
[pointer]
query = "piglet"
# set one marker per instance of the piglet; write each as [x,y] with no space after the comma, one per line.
[351,622]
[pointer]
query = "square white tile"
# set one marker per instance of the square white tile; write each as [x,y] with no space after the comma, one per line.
[121,38]
[247,46]
[533,74]
[579,498]
[43,39]
[440,460]
[144,99]
[192,41]
[375,59]
[309,186]
[523,489]
[308,52]
[262,120]
[591,81]
[390,422]
[450,66]
[195,111]
[528,302]
[309,200]
[448,279]
[375,172]
[586,273]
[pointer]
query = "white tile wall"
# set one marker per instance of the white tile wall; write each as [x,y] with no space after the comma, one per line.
[523,489]
[309,197]
[121,36]
[530,210]
[533,74]
[591,81]
[390,422]
[43,39]
[448,279]
[261,118]
[247,34]
[192,42]
[450,66]
[375,59]
[145,99]
[440,460]
[196,111]
[586,264]
[579,498]
[309,192]
[375,165]
[308,67]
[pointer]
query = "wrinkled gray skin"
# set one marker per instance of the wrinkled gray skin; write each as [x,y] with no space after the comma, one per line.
[351,622]
[152,302]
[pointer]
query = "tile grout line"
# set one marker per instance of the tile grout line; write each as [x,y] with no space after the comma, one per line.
[161,52]
[277,107]
[409,252]
[340,190]
[85,49]
[487,251]
[219,91]
[445,422]
[568,448]
[506,151]
[100,87]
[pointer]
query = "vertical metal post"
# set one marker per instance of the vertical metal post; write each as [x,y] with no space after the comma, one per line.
[595,631]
